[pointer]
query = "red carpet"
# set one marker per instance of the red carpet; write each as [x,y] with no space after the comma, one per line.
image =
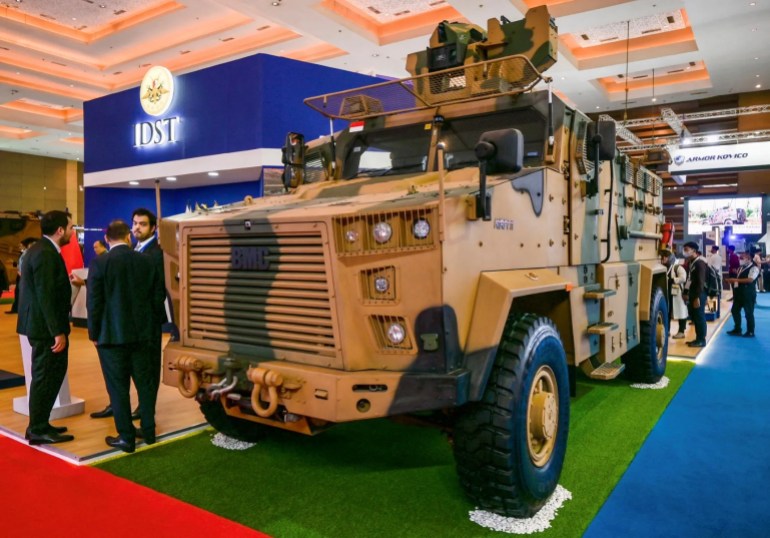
[41,495]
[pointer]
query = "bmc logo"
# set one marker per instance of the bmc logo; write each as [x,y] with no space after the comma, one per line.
[250,258]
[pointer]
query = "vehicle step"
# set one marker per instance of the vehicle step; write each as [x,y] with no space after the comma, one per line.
[607,371]
[599,294]
[601,328]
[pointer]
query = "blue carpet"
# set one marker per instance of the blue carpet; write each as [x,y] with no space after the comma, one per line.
[704,470]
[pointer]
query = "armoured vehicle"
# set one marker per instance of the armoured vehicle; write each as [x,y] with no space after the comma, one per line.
[460,252]
[14,227]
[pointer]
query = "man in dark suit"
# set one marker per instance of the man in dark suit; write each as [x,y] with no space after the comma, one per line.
[144,224]
[125,305]
[44,304]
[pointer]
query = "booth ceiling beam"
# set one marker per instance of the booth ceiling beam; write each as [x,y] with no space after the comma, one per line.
[699,116]
[621,131]
[714,139]
[676,124]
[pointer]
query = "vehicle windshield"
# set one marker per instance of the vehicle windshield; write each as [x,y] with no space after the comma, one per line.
[382,152]
[461,135]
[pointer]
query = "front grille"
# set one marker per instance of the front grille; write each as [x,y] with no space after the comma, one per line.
[277,298]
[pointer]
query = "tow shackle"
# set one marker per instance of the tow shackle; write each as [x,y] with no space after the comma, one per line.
[262,377]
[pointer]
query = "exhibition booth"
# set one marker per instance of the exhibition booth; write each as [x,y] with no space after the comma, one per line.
[215,138]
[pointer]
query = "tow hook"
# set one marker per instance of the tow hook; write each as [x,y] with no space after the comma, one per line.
[267,378]
[222,388]
[189,375]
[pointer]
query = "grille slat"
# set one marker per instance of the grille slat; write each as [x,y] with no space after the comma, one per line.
[274,294]
[282,328]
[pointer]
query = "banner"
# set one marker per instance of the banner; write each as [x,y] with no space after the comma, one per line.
[752,156]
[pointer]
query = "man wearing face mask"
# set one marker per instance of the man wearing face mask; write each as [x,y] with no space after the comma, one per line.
[744,295]
[696,293]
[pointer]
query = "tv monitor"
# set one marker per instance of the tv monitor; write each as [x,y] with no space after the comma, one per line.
[742,213]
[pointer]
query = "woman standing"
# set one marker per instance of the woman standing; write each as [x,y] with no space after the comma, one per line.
[677,276]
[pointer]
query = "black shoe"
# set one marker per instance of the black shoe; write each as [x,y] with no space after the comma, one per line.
[148,439]
[104,413]
[117,442]
[696,343]
[135,415]
[57,429]
[47,438]
[748,335]
[734,332]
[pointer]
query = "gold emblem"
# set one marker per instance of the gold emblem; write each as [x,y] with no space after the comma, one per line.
[157,90]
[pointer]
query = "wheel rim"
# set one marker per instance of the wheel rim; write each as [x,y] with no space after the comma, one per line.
[660,336]
[542,416]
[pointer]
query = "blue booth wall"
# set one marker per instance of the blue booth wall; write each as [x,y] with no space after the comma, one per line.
[121,203]
[241,105]
[246,104]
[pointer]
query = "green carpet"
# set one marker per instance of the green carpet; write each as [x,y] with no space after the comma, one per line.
[378,478]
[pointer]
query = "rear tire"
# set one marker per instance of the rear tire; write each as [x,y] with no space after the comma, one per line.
[242,430]
[510,446]
[646,363]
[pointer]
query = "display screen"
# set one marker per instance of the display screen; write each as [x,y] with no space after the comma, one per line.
[744,214]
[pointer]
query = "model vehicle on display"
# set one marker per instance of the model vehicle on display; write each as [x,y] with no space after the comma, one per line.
[459,252]
[727,216]
[14,228]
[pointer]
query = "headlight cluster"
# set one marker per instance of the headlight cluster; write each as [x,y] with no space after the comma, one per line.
[369,233]
[391,334]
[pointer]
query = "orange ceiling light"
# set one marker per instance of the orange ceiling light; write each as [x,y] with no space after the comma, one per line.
[404,27]
[562,8]
[89,35]
[315,53]
[16,133]
[666,80]
[587,51]
[241,45]
[73,140]
[65,114]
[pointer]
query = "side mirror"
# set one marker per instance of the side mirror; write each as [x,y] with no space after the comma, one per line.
[293,159]
[500,151]
[503,150]
[603,135]
[600,140]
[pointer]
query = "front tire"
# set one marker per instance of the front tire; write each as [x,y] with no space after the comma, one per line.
[242,430]
[510,446]
[646,363]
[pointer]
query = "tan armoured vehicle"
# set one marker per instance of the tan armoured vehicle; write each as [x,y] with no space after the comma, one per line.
[14,228]
[462,251]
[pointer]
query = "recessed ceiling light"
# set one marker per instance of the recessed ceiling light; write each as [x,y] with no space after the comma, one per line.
[752,4]
[213,174]
[170,178]
[102,6]
[758,86]
[597,107]
[756,57]
[133,183]
[654,99]
[276,3]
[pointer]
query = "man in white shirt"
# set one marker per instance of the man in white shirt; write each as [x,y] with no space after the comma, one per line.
[715,259]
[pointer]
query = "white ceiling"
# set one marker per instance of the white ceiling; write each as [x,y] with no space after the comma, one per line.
[54,54]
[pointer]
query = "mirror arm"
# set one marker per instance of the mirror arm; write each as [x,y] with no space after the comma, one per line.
[483,209]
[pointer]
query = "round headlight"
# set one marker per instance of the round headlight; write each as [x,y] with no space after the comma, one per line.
[421,228]
[382,232]
[396,333]
[351,236]
[381,284]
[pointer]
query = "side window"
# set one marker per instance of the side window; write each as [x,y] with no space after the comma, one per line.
[315,168]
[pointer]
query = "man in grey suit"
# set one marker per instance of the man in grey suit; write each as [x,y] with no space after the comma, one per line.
[44,305]
[125,305]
